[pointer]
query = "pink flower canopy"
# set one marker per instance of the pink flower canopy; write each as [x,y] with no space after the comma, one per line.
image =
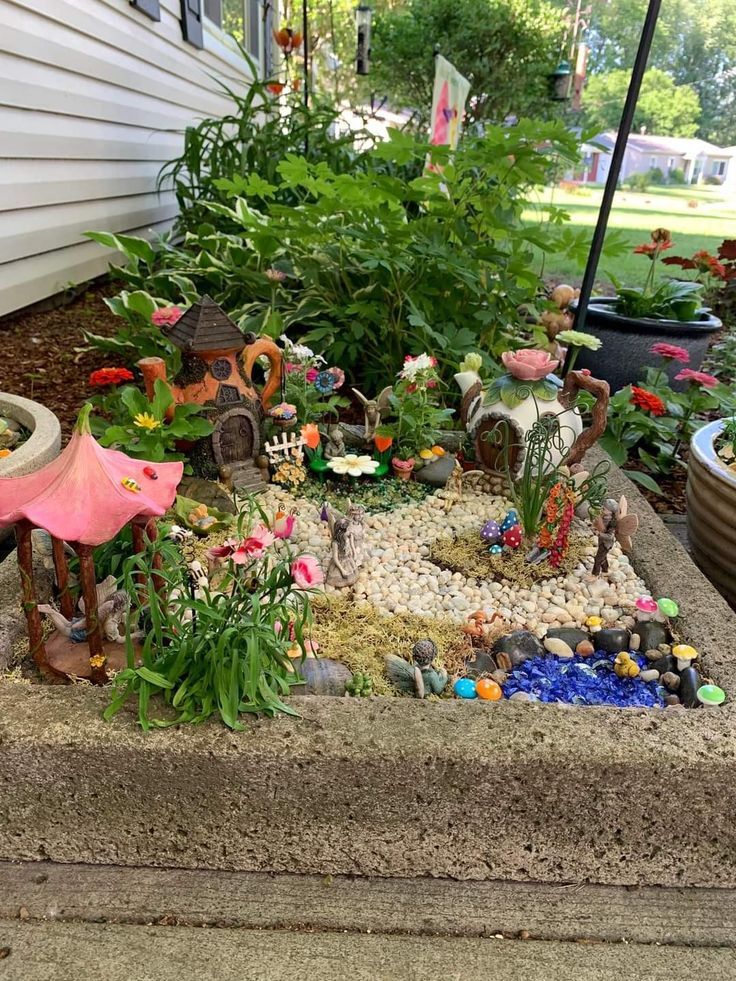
[88,494]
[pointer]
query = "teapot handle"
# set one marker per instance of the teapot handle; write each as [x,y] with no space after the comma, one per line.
[262,345]
[575,382]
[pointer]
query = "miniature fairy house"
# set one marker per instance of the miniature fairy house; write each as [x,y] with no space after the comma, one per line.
[83,498]
[216,370]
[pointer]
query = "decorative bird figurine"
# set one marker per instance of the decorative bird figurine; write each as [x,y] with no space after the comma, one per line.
[625,666]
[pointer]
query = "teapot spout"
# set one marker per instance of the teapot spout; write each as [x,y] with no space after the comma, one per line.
[466,380]
[152,369]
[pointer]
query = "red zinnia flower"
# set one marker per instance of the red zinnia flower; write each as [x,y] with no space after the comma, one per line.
[671,351]
[166,316]
[696,377]
[647,401]
[110,376]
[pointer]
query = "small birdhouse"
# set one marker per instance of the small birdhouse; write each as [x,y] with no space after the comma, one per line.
[560,82]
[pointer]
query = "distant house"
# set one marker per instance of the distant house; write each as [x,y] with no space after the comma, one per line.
[696,159]
[94,97]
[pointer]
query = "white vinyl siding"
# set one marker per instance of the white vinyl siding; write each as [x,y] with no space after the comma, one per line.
[94,97]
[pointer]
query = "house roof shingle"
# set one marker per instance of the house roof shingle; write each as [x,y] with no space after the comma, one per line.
[675,145]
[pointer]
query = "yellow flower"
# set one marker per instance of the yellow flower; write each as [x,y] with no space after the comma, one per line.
[146,421]
[97,660]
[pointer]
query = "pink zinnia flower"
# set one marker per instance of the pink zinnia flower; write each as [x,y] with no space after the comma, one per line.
[254,546]
[311,374]
[671,351]
[339,375]
[696,377]
[306,572]
[223,551]
[166,316]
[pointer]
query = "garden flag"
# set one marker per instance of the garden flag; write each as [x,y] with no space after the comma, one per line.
[448,103]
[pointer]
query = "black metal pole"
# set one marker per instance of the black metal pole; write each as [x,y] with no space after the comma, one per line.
[617,157]
[305,42]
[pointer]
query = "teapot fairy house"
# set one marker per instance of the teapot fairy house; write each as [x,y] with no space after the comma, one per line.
[500,417]
[217,365]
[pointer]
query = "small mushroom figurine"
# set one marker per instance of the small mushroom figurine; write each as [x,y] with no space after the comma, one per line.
[420,678]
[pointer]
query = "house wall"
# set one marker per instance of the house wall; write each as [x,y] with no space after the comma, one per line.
[94,97]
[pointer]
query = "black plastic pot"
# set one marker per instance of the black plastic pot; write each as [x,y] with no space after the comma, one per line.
[624,354]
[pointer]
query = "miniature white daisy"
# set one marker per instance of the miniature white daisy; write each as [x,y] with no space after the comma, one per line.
[353,465]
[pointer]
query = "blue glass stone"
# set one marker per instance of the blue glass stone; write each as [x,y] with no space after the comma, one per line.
[465,688]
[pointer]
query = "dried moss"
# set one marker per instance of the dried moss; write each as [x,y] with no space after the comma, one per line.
[360,637]
[468,554]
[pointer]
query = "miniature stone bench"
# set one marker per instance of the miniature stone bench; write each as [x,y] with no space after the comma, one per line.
[397,787]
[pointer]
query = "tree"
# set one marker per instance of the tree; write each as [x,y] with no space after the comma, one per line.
[664,108]
[695,43]
[505,48]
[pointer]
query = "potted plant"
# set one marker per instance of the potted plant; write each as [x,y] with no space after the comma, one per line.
[711,503]
[417,417]
[669,311]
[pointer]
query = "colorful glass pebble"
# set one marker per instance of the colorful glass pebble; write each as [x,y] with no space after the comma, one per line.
[488,689]
[465,688]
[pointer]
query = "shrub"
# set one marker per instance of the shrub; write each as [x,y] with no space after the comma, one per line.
[638,182]
[676,176]
[713,180]
[368,264]
[655,175]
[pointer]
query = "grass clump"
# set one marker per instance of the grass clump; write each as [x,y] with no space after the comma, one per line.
[360,636]
[468,554]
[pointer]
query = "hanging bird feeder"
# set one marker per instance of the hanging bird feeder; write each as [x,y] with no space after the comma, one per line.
[363,23]
[560,82]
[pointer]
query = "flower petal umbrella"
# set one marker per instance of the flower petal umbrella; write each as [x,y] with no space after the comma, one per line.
[84,497]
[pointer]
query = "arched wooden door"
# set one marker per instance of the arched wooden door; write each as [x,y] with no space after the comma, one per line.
[236,437]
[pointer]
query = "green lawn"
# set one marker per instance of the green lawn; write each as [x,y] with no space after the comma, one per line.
[636,213]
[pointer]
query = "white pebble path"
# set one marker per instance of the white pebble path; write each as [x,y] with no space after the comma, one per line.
[398,576]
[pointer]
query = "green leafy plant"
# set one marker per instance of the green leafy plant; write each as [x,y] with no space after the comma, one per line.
[222,651]
[418,419]
[147,430]
[309,386]
[668,300]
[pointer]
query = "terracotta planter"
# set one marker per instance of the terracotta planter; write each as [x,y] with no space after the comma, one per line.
[626,342]
[711,512]
[402,468]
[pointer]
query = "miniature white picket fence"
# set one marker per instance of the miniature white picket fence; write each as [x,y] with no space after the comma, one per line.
[284,446]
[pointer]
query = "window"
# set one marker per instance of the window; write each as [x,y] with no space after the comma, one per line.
[718,168]
[670,163]
[241,18]
[652,162]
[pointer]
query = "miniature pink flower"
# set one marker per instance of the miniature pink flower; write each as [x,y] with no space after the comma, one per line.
[254,546]
[529,364]
[223,551]
[306,572]
[696,377]
[339,375]
[290,367]
[283,525]
[166,316]
[311,374]
[670,351]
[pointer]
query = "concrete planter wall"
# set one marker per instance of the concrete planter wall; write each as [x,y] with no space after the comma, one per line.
[397,787]
[711,511]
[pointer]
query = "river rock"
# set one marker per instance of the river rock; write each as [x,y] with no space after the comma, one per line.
[437,472]
[571,635]
[585,648]
[665,665]
[207,492]
[480,663]
[635,642]
[322,676]
[651,634]
[518,646]
[653,654]
[671,699]
[649,675]
[520,696]
[612,640]
[688,690]
[671,680]
[558,647]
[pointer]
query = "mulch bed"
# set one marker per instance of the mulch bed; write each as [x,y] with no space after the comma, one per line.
[45,356]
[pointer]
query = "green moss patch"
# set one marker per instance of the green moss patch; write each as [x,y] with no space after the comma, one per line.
[375,495]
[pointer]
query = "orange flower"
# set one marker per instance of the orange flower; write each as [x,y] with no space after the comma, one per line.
[275,88]
[382,442]
[288,40]
[310,434]
[4,453]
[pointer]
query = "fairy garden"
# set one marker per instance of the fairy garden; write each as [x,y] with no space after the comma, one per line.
[233,523]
